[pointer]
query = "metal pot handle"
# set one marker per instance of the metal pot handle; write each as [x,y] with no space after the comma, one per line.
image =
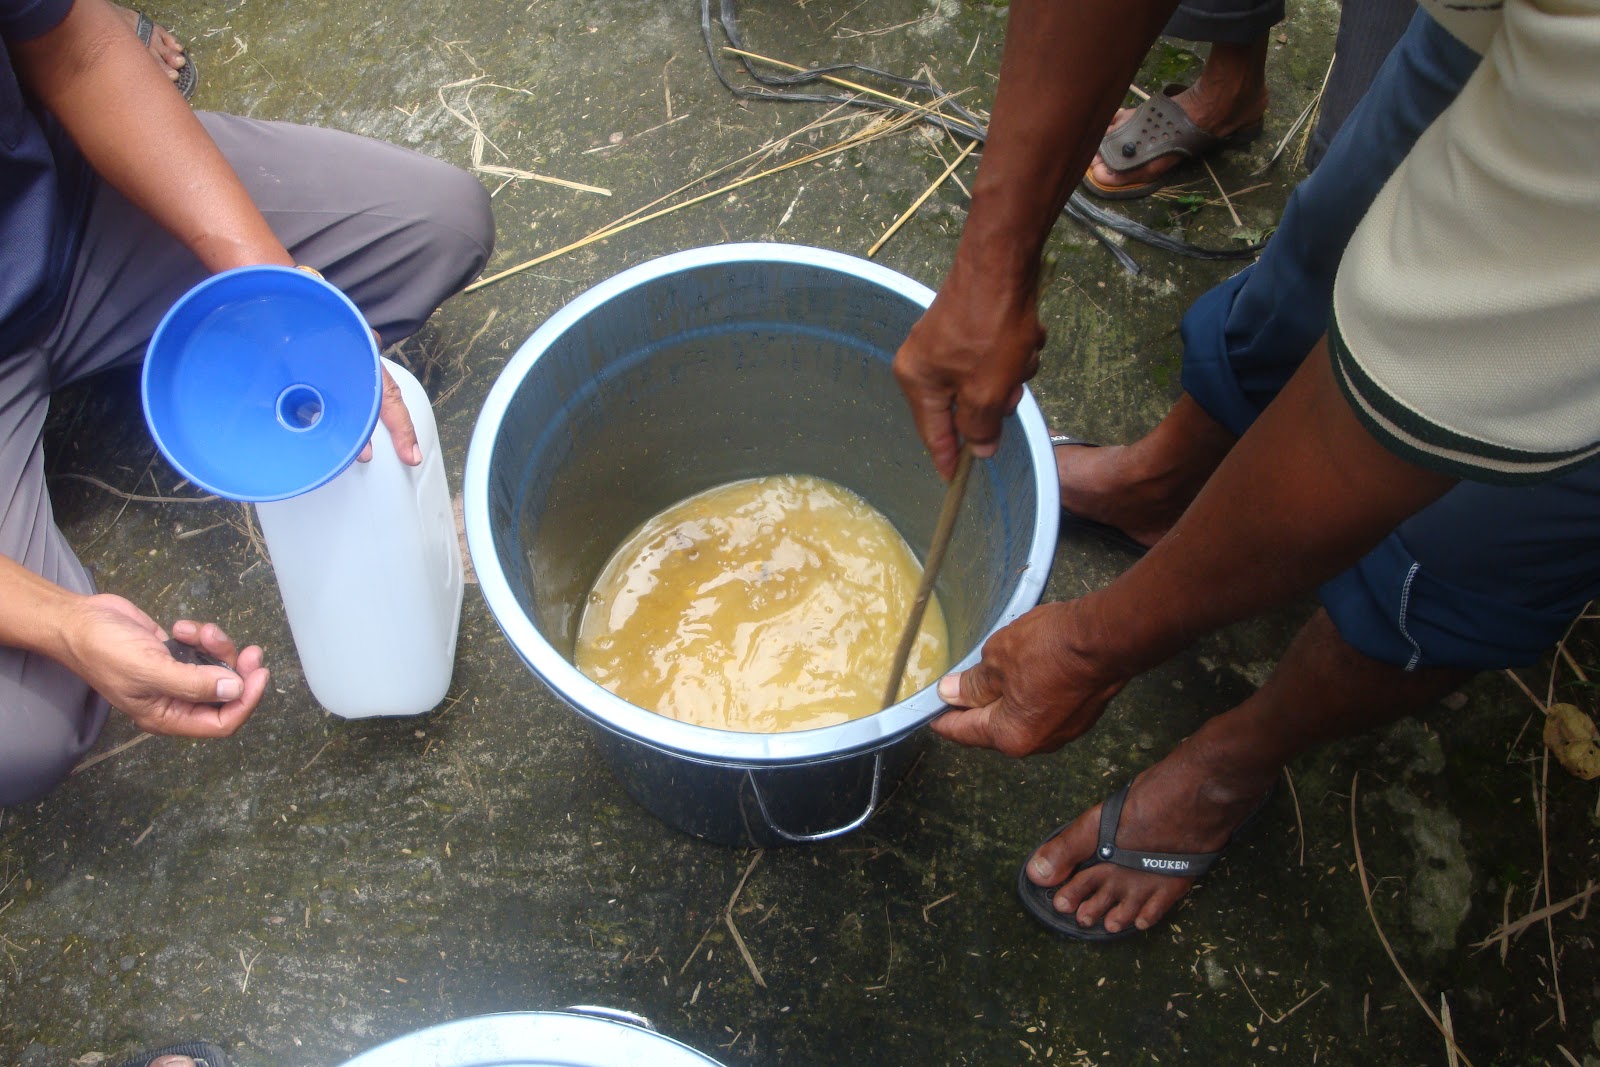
[854,824]
[614,1014]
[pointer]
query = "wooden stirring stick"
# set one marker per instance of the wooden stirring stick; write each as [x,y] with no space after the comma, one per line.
[941,533]
[930,571]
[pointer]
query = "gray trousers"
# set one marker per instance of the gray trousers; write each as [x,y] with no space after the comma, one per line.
[397,231]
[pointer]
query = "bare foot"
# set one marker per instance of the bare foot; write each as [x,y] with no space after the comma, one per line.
[1142,489]
[1195,799]
[1229,95]
[1098,484]
[164,47]
[1183,804]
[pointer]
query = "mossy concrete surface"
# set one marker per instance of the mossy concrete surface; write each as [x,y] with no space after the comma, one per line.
[312,887]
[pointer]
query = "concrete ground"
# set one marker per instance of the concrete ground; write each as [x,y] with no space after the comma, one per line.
[313,887]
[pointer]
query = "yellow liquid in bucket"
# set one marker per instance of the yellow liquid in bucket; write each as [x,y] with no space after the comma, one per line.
[765,605]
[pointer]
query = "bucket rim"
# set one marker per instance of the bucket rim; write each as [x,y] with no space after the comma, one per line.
[703,744]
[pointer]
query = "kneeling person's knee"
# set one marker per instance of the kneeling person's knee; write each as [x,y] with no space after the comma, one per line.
[47,722]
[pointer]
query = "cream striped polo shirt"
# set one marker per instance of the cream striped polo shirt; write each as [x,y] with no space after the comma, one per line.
[1466,312]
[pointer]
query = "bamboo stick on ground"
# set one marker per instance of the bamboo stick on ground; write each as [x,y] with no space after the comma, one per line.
[919,201]
[137,739]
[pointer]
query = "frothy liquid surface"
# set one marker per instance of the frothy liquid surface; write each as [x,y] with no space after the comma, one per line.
[765,605]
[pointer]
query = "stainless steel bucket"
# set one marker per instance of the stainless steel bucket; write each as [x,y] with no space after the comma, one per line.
[700,368]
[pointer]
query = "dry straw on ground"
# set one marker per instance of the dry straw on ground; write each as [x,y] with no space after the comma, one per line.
[726,916]
[468,117]
[868,131]
[873,130]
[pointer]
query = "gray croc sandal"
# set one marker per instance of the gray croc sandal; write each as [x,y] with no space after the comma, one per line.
[1073,524]
[187,75]
[1158,127]
[1040,900]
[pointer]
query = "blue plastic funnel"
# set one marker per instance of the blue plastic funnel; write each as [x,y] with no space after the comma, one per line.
[262,383]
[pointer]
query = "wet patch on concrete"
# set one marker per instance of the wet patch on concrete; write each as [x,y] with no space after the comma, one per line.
[1440,893]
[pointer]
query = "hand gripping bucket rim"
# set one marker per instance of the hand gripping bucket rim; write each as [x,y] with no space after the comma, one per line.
[262,383]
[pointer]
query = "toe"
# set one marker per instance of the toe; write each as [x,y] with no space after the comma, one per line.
[1081,887]
[1091,910]
[1126,911]
[1154,910]
[1053,861]
[173,57]
[1103,175]
[167,49]
[1163,900]
[1123,115]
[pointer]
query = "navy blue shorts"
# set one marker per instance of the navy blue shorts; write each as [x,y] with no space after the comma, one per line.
[1486,577]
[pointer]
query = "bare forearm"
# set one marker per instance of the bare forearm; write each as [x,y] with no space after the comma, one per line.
[1066,67]
[1304,494]
[34,613]
[141,137]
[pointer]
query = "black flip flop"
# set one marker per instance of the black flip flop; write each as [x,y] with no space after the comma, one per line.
[188,77]
[1039,902]
[1075,524]
[204,1053]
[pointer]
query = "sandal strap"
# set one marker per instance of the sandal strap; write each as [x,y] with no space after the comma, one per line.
[144,27]
[1158,127]
[1171,864]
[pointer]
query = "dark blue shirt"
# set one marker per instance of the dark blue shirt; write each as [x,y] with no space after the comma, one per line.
[43,189]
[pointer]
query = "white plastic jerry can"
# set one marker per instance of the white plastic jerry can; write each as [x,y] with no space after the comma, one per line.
[369,567]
